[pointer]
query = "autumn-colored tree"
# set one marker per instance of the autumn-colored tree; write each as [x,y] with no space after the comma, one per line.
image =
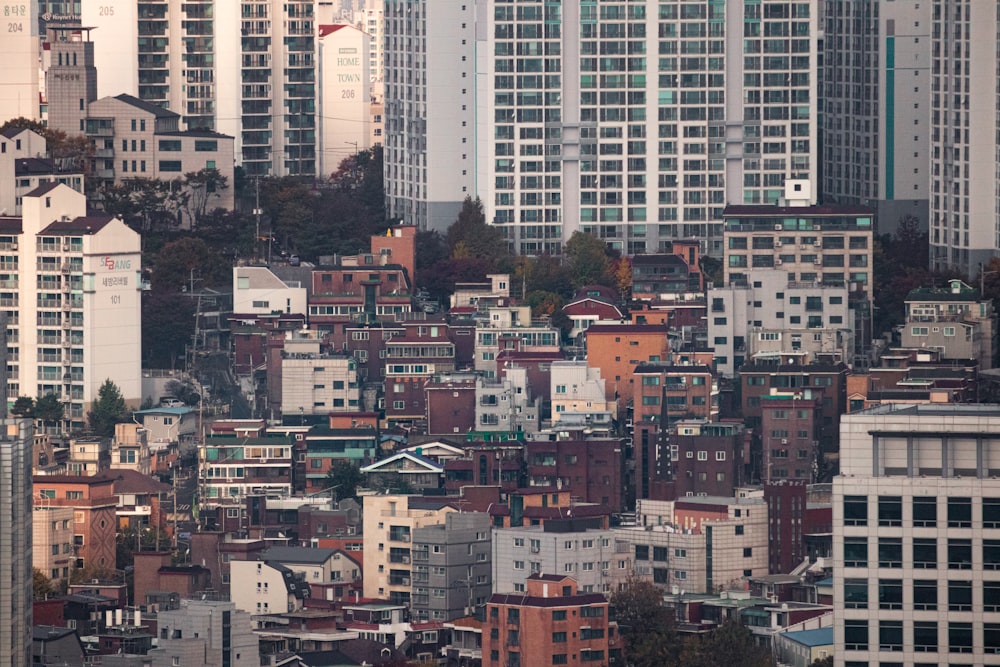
[622,271]
[645,625]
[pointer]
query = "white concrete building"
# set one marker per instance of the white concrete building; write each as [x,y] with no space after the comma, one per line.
[316,383]
[508,404]
[769,315]
[205,632]
[577,392]
[20,51]
[258,291]
[259,587]
[72,290]
[430,109]
[344,94]
[16,438]
[916,536]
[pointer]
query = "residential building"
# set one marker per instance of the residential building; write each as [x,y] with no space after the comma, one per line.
[699,544]
[258,291]
[962,136]
[93,502]
[768,315]
[507,404]
[231,467]
[16,540]
[801,648]
[452,568]
[657,275]
[53,645]
[610,177]
[877,63]
[616,349]
[19,82]
[88,455]
[155,574]
[789,428]
[314,382]
[52,548]
[592,304]
[510,329]
[567,547]
[134,138]
[668,392]
[705,458]
[32,172]
[578,389]
[266,587]
[204,632]
[494,293]
[368,286]
[130,449]
[83,307]
[466,647]
[344,94]
[70,78]
[389,525]
[325,446]
[789,524]
[955,320]
[451,404]
[549,621]
[403,470]
[590,468]
[811,244]
[916,536]
[169,425]
[411,360]
[429,126]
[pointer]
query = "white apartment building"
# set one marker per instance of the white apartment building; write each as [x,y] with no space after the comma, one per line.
[430,108]
[768,315]
[916,536]
[258,291]
[639,121]
[963,152]
[513,325]
[371,20]
[16,438]
[259,587]
[204,632]
[71,287]
[344,94]
[314,382]
[589,556]
[245,68]
[876,116]
[507,404]
[577,391]
[20,50]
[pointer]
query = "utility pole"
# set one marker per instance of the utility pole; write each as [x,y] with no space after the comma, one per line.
[256,212]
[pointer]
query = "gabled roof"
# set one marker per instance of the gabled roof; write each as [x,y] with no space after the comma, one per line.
[133,481]
[395,462]
[169,411]
[435,448]
[811,638]
[43,189]
[157,111]
[298,555]
[87,224]
[10,225]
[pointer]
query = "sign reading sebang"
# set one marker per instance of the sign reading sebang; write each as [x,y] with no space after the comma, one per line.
[112,264]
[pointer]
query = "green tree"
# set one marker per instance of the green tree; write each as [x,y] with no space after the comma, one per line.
[343,480]
[41,586]
[823,662]
[109,409]
[730,644]
[646,626]
[167,327]
[24,406]
[178,261]
[202,187]
[48,409]
[470,237]
[183,390]
[587,261]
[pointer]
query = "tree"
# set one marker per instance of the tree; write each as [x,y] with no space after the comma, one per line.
[202,186]
[646,626]
[179,260]
[587,261]
[183,390]
[48,409]
[621,269]
[41,586]
[730,644]
[109,409]
[470,237]
[343,480]
[822,662]
[167,327]
[24,406]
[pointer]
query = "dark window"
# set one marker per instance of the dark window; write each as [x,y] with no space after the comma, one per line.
[559,615]
[991,638]
[925,636]
[960,512]
[959,596]
[991,554]
[959,554]
[925,553]
[660,554]
[991,512]
[890,511]
[170,166]
[890,594]
[890,552]
[856,593]
[855,552]
[991,596]
[641,552]
[960,637]
[206,145]
[559,637]
[171,145]
[925,594]
[925,512]
[890,636]
[855,511]
[856,635]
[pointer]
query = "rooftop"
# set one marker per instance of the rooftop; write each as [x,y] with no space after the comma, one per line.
[794,211]
[157,111]
[302,555]
[811,638]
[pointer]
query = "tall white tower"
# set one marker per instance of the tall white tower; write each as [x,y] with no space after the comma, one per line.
[16,438]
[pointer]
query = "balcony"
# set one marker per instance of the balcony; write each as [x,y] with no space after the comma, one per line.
[399,581]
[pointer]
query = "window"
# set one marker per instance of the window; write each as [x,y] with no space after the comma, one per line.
[924,512]
[960,637]
[720,456]
[925,553]
[855,511]
[206,145]
[890,635]
[856,593]
[991,638]
[855,552]
[170,145]
[925,636]
[991,596]
[925,594]
[173,166]
[890,511]
[558,637]
[991,512]
[641,552]
[890,552]
[559,659]
[559,615]
[959,596]
[856,635]
[959,554]
[991,554]
[890,594]
[959,512]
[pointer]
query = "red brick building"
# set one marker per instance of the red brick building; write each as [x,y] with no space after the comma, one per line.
[155,574]
[590,470]
[786,523]
[398,246]
[789,424]
[485,464]
[551,623]
[451,406]
[411,360]
[95,525]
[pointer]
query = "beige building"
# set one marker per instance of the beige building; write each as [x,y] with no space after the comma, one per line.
[344,94]
[52,542]
[257,291]
[315,382]
[259,587]
[578,389]
[389,522]
[953,320]
[130,448]
[88,456]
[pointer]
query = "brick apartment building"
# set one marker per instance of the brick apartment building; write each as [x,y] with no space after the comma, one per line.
[547,624]
[617,349]
[590,470]
[788,434]
[93,501]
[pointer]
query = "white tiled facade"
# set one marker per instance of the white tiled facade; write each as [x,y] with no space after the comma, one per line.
[916,537]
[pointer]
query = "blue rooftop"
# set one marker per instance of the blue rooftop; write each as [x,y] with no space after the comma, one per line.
[165,411]
[811,638]
[825,582]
